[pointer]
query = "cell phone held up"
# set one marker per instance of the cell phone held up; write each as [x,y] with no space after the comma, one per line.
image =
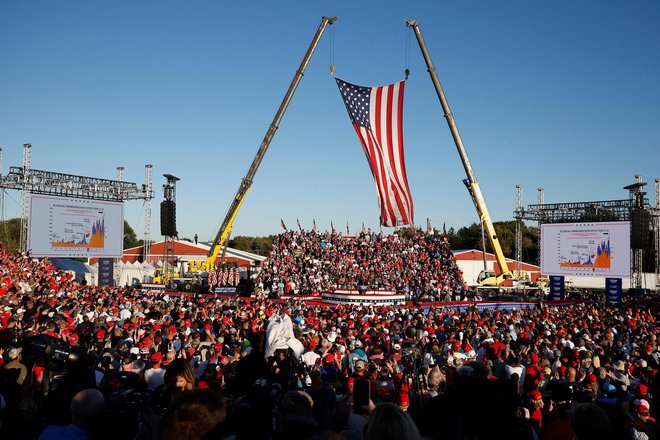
[360,394]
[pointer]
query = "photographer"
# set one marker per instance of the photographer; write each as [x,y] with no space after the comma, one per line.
[385,382]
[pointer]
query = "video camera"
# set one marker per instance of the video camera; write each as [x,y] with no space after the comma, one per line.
[411,352]
[57,353]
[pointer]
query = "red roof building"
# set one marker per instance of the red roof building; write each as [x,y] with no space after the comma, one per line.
[471,263]
[186,252]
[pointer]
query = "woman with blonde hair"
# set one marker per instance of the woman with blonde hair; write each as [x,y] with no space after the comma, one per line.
[436,383]
[179,375]
[178,379]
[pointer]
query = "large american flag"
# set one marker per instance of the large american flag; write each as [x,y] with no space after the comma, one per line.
[377,116]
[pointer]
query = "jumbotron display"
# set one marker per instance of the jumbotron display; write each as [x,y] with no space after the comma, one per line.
[586,249]
[80,228]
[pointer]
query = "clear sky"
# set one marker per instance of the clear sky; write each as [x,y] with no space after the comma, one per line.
[563,95]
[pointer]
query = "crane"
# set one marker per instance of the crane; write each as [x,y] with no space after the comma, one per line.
[486,277]
[223,233]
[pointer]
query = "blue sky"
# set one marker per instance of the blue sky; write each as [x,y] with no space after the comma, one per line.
[562,95]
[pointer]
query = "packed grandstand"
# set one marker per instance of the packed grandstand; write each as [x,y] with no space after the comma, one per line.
[306,262]
[81,361]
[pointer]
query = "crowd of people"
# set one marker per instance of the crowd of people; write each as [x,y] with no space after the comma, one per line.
[86,362]
[307,262]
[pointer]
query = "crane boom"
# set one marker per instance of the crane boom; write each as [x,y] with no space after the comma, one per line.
[246,183]
[472,183]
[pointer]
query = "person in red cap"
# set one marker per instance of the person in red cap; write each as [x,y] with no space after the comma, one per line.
[73,338]
[532,373]
[155,375]
[330,370]
[642,391]
[535,406]
[642,425]
[590,384]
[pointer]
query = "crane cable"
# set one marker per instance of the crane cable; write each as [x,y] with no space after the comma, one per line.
[407,51]
[332,50]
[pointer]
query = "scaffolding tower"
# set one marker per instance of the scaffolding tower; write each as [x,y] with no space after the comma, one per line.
[149,195]
[519,220]
[637,255]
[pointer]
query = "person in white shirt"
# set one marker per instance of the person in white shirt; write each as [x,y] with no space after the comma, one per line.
[155,376]
[517,368]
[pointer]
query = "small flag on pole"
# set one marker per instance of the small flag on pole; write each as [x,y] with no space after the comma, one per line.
[282,223]
[332,227]
[299,227]
[429,228]
[347,230]
[314,223]
[364,230]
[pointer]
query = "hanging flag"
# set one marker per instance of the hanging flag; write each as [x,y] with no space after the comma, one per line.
[332,227]
[283,225]
[364,230]
[377,116]
[314,223]
[429,228]
[347,231]
[299,227]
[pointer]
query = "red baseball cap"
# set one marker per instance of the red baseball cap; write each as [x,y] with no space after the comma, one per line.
[642,390]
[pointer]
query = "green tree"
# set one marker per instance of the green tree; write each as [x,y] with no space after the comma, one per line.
[467,237]
[130,237]
[409,231]
[10,234]
[256,245]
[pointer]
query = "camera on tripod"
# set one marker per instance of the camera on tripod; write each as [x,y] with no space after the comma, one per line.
[410,354]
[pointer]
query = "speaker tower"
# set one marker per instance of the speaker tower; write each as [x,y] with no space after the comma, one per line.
[168,218]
